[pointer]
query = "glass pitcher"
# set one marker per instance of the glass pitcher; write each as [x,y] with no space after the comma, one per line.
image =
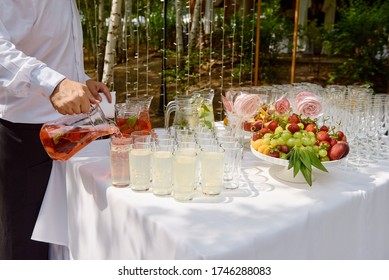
[143,122]
[206,115]
[65,136]
[186,111]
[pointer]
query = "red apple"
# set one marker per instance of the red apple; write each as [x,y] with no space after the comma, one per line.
[273,125]
[256,136]
[247,125]
[294,118]
[339,150]
[333,141]
[324,128]
[257,125]
[311,127]
[264,130]
[293,127]
[323,136]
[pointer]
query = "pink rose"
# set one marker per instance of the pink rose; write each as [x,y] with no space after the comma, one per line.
[227,104]
[302,95]
[308,104]
[246,105]
[309,107]
[282,105]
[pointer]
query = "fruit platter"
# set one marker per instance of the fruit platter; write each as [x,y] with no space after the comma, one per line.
[296,140]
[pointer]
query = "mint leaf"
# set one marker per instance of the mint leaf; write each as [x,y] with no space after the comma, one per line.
[131,121]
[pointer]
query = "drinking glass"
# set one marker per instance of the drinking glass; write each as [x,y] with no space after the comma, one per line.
[192,147]
[233,152]
[119,161]
[212,169]
[162,167]
[184,174]
[139,133]
[140,165]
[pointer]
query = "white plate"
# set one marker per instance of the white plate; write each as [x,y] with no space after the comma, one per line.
[284,162]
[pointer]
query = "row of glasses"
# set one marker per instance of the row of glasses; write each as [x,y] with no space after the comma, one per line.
[362,115]
[175,162]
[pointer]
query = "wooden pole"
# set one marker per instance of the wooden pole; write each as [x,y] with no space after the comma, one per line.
[257,43]
[295,33]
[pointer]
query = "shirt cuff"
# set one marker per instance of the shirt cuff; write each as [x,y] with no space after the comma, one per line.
[47,79]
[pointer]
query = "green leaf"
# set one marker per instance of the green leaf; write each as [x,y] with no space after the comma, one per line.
[305,159]
[307,174]
[57,137]
[316,162]
[131,121]
[290,156]
[205,107]
[208,124]
[297,166]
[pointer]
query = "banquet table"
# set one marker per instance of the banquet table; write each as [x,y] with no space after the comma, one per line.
[344,215]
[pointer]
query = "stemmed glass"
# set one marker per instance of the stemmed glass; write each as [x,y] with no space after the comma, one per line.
[360,104]
[382,104]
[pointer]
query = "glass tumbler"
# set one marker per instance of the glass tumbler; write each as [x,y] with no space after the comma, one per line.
[140,165]
[184,174]
[119,160]
[162,167]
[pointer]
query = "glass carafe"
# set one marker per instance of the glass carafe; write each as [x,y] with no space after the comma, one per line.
[64,137]
[186,111]
[206,115]
[143,122]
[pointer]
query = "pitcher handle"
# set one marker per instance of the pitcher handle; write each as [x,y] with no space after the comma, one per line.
[170,107]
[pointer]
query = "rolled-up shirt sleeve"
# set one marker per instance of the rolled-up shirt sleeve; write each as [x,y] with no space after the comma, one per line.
[18,72]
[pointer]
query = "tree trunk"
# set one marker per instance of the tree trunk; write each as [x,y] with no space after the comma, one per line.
[110,48]
[179,35]
[194,26]
[101,40]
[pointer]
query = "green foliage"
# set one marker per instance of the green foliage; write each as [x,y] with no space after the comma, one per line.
[275,28]
[360,36]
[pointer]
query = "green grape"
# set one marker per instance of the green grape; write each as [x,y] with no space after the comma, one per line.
[286,134]
[306,141]
[301,125]
[281,141]
[298,142]
[298,135]
[291,142]
[267,135]
[266,141]
[322,153]
[309,148]
[311,134]
[312,141]
[274,142]
[316,148]
[282,155]
[279,129]
[326,158]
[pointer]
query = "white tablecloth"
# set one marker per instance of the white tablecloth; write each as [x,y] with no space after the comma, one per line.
[344,215]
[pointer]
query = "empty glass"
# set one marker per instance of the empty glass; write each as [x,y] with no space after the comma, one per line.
[119,161]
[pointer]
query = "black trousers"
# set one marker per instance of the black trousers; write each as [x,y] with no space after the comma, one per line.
[24,173]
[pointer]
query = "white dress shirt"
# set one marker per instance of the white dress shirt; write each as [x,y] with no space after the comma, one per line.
[40,45]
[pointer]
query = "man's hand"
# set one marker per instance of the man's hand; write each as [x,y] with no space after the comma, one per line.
[70,97]
[96,87]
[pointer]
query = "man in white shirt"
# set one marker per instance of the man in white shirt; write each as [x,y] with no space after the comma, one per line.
[41,77]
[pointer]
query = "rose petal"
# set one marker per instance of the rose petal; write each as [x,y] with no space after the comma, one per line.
[282,105]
